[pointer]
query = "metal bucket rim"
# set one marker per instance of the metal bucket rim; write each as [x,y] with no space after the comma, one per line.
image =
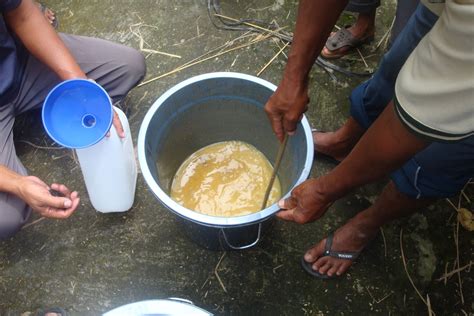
[207,220]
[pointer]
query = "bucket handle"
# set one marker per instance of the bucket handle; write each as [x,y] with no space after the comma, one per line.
[246,246]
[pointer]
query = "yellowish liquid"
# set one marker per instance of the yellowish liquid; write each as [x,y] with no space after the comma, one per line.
[225,179]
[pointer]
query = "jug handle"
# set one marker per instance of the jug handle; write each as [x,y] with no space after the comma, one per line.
[246,246]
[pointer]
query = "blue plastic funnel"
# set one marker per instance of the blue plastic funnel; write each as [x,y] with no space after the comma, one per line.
[77,113]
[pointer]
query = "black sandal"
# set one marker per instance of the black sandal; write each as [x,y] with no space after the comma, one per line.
[307,266]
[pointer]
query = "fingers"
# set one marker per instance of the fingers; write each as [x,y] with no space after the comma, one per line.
[289,203]
[62,212]
[289,125]
[118,125]
[57,202]
[276,122]
[291,120]
[61,188]
[286,215]
[288,207]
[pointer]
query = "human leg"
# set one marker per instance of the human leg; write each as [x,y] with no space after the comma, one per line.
[370,98]
[14,213]
[405,9]
[361,229]
[441,170]
[360,32]
[117,68]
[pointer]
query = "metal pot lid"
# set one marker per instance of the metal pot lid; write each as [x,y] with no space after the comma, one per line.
[170,306]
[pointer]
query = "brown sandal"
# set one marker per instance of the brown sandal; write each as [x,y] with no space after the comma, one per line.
[344,38]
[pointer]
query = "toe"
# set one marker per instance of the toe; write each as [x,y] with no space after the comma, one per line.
[343,267]
[325,268]
[333,270]
[315,252]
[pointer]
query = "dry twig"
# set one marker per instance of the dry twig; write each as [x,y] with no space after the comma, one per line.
[456,241]
[182,67]
[385,36]
[447,275]
[362,56]
[39,147]
[406,268]
[216,273]
[430,311]
[33,222]
[273,32]
[273,58]
[384,242]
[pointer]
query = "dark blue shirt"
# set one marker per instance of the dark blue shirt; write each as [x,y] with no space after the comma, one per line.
[11,61]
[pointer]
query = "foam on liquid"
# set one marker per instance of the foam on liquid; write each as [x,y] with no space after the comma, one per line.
[225,179]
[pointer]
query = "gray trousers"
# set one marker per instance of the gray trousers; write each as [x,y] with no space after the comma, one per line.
[115,67]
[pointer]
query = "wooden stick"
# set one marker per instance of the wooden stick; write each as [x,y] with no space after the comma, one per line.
[278,159]
[273,58]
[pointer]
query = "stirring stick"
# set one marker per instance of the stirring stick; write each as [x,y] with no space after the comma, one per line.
[279,156]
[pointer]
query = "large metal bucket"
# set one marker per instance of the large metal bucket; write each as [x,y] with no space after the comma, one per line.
[207,109]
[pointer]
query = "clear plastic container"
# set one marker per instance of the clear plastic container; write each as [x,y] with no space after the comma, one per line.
[110,171]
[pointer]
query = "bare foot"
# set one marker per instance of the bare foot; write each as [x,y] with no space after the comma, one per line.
[338,144]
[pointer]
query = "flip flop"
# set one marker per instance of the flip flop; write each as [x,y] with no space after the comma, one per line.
[328,252]
[343,38]
[43,9]
[321,155]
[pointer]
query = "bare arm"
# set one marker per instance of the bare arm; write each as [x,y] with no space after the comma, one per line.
[316,18]
[42,41]
[385,146]
[37,195]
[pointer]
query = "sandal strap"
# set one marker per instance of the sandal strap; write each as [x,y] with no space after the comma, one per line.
[342,38]
[348,255]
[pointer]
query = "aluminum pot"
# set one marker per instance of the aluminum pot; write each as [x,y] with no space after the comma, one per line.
[204,110]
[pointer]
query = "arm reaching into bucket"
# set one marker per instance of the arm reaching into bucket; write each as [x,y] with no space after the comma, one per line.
[315,20]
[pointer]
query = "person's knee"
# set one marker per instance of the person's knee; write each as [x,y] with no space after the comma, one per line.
[135,63]
[13,215]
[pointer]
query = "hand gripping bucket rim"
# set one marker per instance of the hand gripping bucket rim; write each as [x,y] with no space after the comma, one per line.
[77,113]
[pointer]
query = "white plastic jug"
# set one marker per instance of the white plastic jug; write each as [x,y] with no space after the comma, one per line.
[110,171]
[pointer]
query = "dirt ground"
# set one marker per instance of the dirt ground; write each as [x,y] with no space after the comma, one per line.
[94,262]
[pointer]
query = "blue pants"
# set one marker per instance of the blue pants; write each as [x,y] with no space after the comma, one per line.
[441,169]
